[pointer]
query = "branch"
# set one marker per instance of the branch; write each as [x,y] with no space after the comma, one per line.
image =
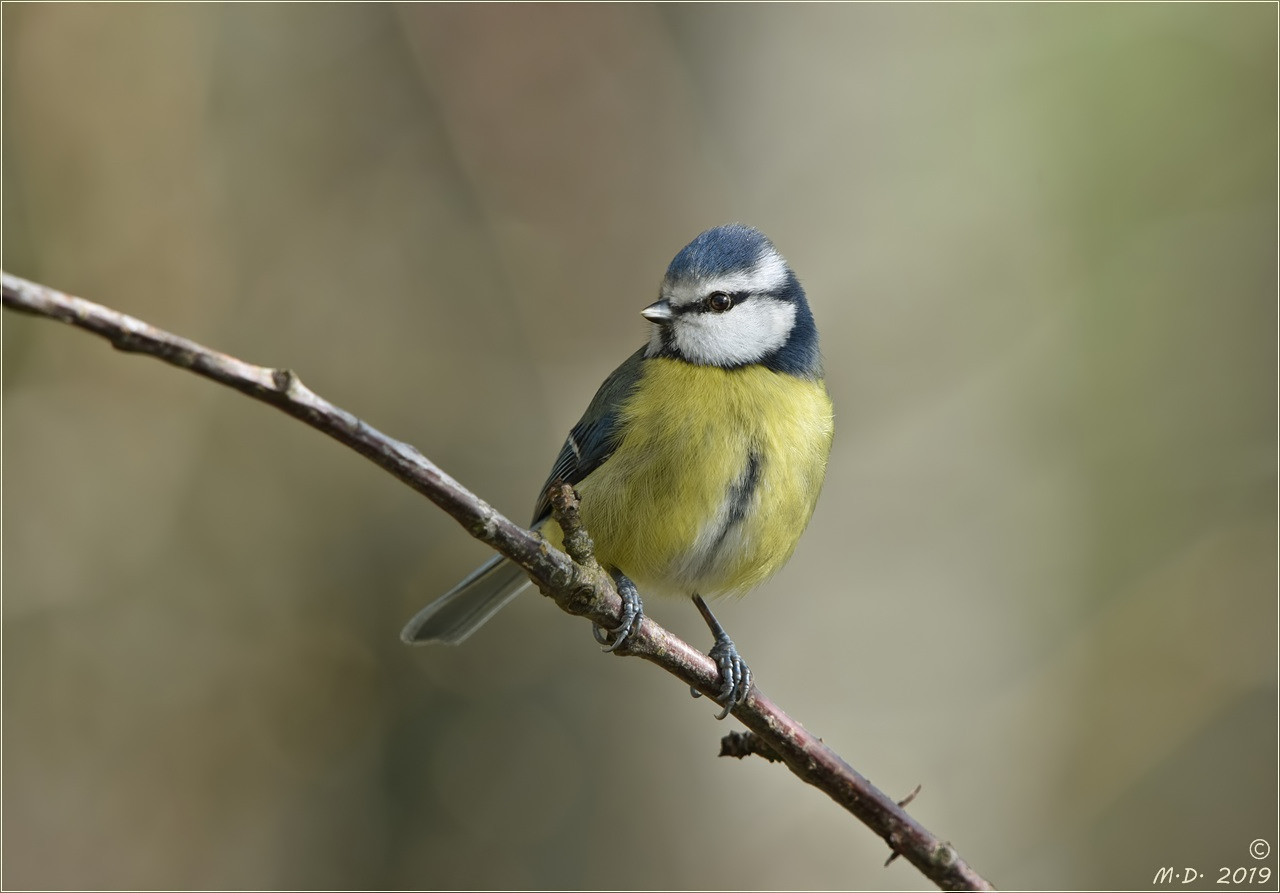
[581,589]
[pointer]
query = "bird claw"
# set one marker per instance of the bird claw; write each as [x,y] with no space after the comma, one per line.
[735,675]
[631,615]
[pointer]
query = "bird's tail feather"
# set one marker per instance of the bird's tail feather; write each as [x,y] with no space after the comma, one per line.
[466,607]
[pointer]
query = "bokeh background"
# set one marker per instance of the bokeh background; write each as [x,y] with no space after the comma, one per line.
[1040,242]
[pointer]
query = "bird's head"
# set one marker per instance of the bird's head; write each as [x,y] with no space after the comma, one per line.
[729,299]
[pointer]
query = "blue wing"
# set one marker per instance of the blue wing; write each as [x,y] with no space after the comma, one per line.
[464,608]
[596,435]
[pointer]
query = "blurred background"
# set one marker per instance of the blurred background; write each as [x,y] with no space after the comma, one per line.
[1040,243]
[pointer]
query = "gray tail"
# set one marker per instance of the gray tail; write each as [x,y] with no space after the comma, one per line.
[466,607]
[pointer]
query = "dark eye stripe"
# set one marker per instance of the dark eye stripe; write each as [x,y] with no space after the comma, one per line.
[704,305]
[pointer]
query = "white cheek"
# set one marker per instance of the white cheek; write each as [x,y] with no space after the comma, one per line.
[746,334]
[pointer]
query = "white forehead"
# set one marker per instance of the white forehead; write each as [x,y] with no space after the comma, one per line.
[769,273]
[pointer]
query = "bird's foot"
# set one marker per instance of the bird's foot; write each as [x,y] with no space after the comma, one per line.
[735,675]
[632,614]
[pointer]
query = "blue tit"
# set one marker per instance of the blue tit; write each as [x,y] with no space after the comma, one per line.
[699,461]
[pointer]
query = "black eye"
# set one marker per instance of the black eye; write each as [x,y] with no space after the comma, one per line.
[719,302]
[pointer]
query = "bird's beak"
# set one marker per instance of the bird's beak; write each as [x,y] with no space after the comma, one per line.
[659,311]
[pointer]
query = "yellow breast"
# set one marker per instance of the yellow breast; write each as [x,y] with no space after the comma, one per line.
[715,477]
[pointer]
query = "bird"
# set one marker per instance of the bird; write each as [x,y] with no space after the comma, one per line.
[699,461]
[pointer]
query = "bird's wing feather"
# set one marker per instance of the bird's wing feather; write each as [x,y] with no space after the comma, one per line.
[596,435]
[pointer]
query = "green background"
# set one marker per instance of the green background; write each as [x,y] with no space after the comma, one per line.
[1040,243]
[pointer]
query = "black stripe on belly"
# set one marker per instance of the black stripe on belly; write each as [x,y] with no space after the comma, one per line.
[740,494]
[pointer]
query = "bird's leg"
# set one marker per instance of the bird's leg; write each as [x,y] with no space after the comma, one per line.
[632,614]
[735,675]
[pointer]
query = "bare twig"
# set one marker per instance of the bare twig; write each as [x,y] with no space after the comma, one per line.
[581,589]
[741,745]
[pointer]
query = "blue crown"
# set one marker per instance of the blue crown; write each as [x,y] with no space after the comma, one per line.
[718,251]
